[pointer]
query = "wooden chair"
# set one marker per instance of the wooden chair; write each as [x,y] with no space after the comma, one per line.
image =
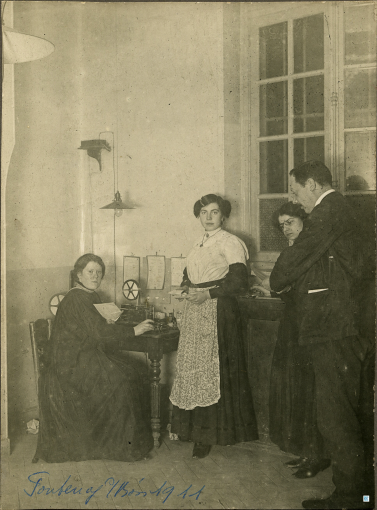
[40,332]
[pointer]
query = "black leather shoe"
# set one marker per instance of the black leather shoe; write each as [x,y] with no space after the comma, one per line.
[312,467]
[201,450]
[335,502]
[296,463]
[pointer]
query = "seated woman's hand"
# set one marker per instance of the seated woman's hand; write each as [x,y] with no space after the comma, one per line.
[198,297]
[144,326]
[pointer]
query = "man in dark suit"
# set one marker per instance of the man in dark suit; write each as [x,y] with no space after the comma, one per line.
[324,265]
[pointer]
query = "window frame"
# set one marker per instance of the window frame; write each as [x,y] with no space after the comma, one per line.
[252,18]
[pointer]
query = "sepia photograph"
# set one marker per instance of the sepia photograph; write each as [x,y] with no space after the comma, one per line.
[188,254]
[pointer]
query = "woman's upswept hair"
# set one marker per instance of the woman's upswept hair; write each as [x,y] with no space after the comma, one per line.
[224,205]
[83,261]
[290,209]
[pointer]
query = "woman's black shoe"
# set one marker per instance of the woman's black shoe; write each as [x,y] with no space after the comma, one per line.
[296,463]
[312,467]
[201,450]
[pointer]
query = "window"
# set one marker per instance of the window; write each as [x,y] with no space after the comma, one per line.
[310,95]
[291,98]
[359,119]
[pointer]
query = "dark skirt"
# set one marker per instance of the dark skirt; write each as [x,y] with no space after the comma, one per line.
[101,412]
[232,419]
[293,409]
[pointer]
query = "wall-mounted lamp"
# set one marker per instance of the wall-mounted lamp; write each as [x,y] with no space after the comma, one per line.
[117,204]
[94,148]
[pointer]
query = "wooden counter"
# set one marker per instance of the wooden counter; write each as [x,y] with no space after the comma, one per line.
[260,318]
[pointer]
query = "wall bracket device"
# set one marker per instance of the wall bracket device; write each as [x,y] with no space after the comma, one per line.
[94,148]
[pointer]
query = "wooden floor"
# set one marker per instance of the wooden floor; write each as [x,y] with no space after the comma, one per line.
[248,475]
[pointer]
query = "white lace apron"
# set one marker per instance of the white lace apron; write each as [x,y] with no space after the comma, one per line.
[197,381]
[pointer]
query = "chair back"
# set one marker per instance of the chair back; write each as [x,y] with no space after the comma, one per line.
[40,332]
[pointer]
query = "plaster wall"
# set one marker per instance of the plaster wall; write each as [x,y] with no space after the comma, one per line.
[150,73]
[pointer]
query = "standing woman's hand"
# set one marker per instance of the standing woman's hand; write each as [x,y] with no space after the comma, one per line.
[198,297]
[144,326]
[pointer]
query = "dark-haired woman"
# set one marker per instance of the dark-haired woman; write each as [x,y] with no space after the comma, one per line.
[94,404]
[212,402]
[293,421]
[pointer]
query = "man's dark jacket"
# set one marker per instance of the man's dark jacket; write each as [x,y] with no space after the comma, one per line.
[325,255]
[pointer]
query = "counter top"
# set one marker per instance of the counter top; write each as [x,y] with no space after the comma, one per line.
[266,308]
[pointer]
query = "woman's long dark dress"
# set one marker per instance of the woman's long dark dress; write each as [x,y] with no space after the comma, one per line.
[232,419]
[293,420]
[93,404]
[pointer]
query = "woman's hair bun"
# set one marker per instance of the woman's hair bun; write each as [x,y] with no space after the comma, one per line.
[224,205]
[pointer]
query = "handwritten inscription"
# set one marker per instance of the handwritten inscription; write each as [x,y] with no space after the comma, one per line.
[110,486]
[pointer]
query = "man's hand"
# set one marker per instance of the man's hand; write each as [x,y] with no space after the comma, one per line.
[144,326]
[286,289]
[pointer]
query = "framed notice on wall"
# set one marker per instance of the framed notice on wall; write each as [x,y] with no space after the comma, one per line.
[156,272]
[131,268]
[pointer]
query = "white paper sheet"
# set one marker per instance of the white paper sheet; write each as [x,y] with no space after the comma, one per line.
[156,272]
[109,310]
[177,293]
[131,268]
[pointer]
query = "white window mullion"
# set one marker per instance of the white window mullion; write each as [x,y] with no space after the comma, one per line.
[290,100]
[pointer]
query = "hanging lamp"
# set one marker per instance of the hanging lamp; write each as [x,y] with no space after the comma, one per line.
[117,204]
[19,47]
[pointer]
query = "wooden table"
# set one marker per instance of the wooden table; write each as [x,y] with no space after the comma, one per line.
[155,344]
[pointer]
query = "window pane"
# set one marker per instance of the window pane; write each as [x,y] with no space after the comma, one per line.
[360,34]
[308,104]
[308,43]
[306,149]
[274,166]
[360,157]
[273,109]
[273,56]
[360,98]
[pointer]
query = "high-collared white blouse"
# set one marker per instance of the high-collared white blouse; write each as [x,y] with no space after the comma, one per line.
[211,256]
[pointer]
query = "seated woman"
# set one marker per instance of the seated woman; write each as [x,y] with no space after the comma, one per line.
[211,396]
[92,403]
[293,422]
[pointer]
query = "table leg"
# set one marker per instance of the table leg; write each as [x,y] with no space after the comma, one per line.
[155,401]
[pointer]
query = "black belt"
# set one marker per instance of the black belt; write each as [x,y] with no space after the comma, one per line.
[204,285]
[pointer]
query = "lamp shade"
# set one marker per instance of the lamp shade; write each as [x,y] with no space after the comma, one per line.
[117,203]
[18,47]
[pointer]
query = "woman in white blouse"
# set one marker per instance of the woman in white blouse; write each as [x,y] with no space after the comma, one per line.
[211,396]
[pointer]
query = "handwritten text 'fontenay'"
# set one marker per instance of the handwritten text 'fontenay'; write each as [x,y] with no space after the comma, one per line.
[112,487]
